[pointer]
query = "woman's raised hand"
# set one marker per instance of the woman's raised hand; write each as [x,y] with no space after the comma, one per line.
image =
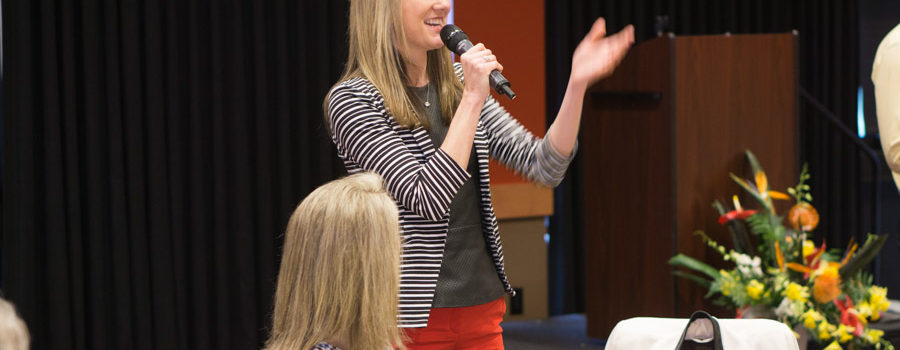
[477,64]
[597,56]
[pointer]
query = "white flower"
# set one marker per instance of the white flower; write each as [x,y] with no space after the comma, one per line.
[757,271]
[784,309]
[789,308]
[749,267]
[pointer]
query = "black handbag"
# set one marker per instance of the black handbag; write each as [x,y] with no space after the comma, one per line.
[701,333]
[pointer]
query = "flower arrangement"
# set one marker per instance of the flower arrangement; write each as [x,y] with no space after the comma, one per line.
[779,267]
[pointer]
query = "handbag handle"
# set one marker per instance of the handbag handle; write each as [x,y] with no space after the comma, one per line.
[685,344]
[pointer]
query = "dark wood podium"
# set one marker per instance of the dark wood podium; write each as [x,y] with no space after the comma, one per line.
[659,139]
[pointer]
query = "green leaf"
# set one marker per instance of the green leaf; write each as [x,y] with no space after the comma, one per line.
[761,225]
[768,229]
[779,230]
[699,280]
[864,256]
[752,190]
[694,264]
[754,163]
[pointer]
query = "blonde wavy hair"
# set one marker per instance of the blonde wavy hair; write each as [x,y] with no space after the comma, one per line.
[376,39]
[340,269]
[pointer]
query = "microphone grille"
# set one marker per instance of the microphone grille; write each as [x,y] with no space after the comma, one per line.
[452,35]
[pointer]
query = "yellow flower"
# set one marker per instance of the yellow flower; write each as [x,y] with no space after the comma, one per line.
[727,283]
[796,292]
[825,330]
[754,289]
[865,312]
[810,317]
[828,283]
[878,299]
[808,248]
[873,335]
[843,333]
[833,346]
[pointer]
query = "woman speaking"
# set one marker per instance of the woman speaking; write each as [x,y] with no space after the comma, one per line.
[402,109]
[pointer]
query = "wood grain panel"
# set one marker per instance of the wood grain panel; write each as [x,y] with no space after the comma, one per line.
[521,200]
[733,93]
[660,137]
[628,199]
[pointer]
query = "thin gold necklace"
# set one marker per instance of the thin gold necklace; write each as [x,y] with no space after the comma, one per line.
[428,95]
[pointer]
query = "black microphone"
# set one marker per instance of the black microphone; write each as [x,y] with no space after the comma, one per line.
[458,42]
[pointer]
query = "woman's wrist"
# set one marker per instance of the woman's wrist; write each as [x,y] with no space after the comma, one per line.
[577,85]
[471,102]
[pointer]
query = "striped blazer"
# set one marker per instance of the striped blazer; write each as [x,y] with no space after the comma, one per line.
[325,346]
[423,179]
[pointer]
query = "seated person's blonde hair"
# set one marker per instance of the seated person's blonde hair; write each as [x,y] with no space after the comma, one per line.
[13,332]
[340,269]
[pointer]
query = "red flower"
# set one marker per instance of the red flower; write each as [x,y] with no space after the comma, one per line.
[849,316]
[736,214]
[739,313]
[813,259]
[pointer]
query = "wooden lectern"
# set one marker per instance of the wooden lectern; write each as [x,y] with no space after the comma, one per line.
[659,139]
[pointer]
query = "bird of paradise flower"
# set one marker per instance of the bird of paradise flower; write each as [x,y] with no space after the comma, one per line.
[788,254]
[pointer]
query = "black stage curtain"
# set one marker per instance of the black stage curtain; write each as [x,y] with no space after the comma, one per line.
[153,152]
[828,64]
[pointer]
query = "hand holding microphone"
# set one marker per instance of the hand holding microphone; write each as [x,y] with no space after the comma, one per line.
[476,61]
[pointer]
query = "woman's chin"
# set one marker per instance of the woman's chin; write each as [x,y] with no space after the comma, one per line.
[436,45]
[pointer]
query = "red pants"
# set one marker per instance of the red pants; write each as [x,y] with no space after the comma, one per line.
[470,327]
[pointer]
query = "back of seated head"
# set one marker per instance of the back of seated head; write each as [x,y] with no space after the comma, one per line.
[340,269]
[886,78]
[13,332]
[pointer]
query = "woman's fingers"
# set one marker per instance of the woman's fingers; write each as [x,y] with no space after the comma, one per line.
[478,62]
[598,29]
[490,63]
[626,35]
[475,51]
[625,39]
[598,55]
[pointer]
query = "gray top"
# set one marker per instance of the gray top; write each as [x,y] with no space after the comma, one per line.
[366,139]
[468,276]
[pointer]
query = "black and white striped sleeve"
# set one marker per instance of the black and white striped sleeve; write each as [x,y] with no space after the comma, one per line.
[364,136]
[517,148]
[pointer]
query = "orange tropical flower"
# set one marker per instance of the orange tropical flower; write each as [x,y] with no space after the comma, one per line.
[762,185]
[828,284]
[779,256]
[803,215]
[759,188]
[849,253]
[812,260]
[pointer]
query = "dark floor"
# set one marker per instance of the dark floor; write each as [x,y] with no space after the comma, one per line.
[558,332]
